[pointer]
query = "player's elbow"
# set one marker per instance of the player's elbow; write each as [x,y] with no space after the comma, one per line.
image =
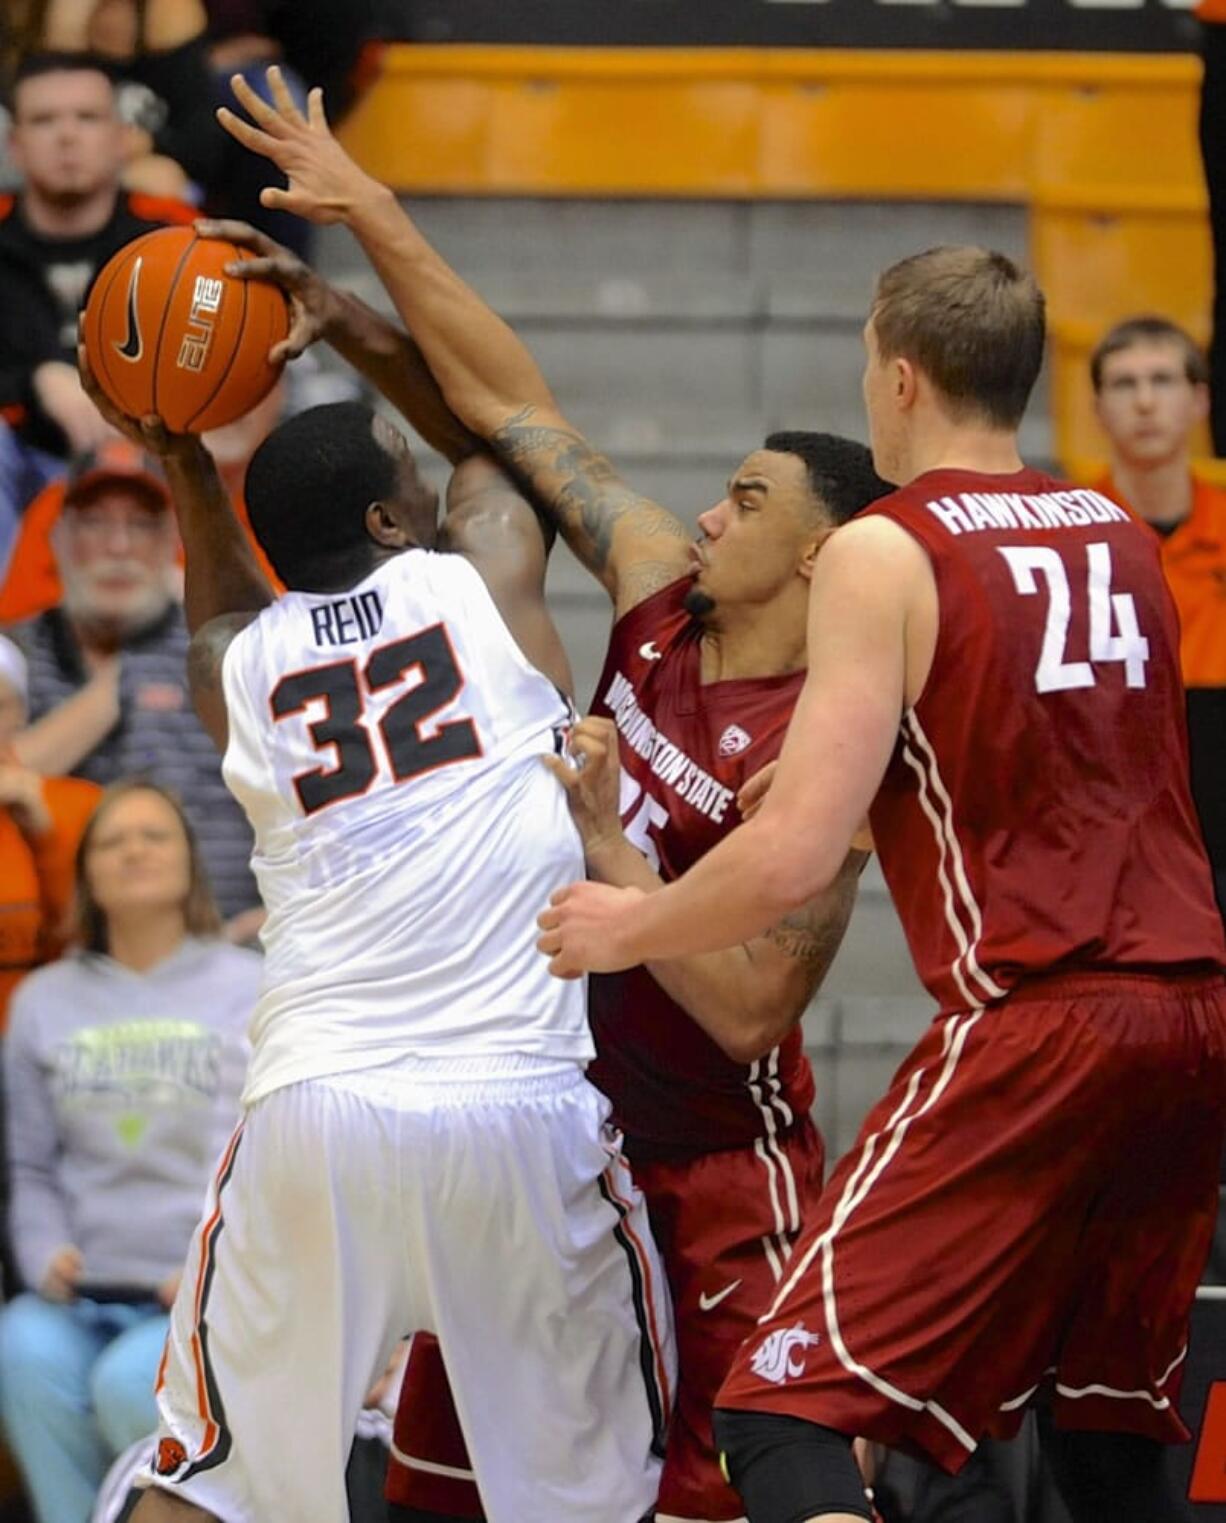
[750,1038]
[756,1021]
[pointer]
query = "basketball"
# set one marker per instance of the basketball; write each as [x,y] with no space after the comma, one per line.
[167,331]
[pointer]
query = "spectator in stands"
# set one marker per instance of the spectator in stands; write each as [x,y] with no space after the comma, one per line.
[67,221]
[157,50]
[1212,14]
[41,822]
[123,1068]
[32,584]
[1151,393]
[174,59]
[107,667]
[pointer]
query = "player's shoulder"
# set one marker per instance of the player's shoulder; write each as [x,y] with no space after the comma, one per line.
[662,615]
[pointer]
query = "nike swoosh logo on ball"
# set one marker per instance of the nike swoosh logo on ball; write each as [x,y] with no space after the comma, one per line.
[133,345]
[708,1303]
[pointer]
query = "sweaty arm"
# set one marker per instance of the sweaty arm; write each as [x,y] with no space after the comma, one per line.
[491,524]
[872,617]
[486,374]
[492,383]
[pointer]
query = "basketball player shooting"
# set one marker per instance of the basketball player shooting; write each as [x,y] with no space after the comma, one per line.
[1026,1213]
[420,1147]
[701,1057]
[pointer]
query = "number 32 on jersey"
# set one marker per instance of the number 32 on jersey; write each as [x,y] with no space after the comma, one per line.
[1114,632]
[344,732]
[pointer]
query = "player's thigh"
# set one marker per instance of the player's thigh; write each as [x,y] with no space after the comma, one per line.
[550,1305]
[1148,1236]
[292,1298]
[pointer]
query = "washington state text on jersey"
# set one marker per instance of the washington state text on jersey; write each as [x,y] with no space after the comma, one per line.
[668,762]
[1073,509]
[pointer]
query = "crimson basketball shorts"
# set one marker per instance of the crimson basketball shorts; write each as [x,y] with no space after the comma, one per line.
[725,1224]
[1030,1206]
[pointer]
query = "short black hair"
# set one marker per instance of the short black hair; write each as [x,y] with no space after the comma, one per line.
[840,471]
[32,65]
[307,490]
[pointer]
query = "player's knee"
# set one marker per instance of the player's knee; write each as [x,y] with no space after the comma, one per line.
[788,1470]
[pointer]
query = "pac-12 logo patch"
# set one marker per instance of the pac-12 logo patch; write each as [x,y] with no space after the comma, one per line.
[171,1456]
[734,740]
[780,1357]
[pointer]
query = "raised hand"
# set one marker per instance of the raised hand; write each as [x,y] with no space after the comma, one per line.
[324,182]
[313,302]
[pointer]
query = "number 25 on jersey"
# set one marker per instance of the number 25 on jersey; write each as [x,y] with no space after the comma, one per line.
[344,730]
[1114,633]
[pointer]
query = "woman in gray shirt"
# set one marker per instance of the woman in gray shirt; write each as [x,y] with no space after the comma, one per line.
[123,1066]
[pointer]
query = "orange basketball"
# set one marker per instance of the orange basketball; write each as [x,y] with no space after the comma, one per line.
[167,331]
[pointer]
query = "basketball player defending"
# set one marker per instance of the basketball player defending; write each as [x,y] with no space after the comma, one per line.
[420,1148]
[704,665]
[993,667]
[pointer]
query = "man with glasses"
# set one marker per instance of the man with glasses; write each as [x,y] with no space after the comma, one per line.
[107,684]
[1151,394]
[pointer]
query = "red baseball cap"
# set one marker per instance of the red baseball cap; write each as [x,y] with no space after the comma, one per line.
[116,460]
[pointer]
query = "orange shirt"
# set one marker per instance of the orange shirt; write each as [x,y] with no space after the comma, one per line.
[36,881]
[1194,560]
[1212,10]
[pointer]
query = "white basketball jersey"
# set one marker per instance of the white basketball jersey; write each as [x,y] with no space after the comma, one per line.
[386,745]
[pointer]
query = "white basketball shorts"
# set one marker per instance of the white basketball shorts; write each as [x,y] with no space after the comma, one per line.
[492,1208]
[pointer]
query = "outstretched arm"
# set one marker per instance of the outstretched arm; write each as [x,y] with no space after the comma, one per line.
[870,580]
[486,374]
[377,348]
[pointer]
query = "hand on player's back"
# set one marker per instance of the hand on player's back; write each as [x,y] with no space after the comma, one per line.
[324,182]
[592,783]
[584,929]
[313,303]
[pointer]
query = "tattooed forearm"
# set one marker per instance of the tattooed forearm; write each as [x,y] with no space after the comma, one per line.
[581,490]
[813,934]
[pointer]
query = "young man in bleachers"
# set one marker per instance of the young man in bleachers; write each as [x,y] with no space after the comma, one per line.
[1151,391]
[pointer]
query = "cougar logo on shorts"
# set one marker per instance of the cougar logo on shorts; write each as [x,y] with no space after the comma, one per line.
[733,741]
[777,1359]
[171,1456]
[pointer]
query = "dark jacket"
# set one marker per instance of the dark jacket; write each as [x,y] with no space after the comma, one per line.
[43,285]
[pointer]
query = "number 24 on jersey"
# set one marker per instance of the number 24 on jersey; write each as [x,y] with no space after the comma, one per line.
[1114,633]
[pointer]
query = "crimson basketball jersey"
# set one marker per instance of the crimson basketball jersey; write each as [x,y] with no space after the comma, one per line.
[1036,811]
[686,748]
